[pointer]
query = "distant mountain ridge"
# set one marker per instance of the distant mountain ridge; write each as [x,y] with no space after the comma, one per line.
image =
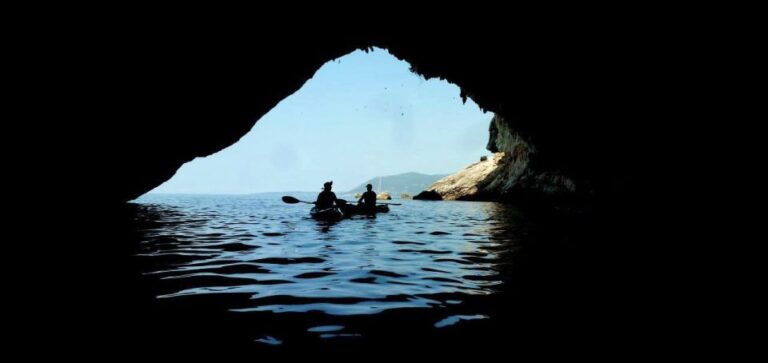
[411,183]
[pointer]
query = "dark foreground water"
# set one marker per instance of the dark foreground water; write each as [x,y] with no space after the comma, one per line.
[255,273]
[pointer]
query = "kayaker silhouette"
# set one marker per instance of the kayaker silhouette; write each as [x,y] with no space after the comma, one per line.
[368,200]
[326,198]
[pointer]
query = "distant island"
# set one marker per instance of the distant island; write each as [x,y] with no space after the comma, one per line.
[396,185]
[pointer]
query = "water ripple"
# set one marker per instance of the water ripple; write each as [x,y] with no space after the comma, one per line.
[421,257]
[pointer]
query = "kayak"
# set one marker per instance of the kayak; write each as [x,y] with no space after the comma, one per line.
[326,214]
[343,210]
[351,209]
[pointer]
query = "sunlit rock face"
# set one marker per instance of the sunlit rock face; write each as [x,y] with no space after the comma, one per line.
[468,183]
[507,174]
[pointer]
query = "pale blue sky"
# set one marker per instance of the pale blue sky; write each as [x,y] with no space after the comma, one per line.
[360,116]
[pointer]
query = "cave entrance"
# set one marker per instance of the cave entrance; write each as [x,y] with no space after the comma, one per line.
[426,266]
[361,117]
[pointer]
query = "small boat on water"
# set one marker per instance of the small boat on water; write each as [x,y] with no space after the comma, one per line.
[350,210]
[341,210]
[326,214]
[344,211]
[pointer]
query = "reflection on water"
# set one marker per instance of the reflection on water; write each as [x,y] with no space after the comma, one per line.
[432,265]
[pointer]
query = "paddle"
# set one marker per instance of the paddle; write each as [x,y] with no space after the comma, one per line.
[292,200]
[342,201]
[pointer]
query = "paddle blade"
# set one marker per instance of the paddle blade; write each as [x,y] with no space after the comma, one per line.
[290,200]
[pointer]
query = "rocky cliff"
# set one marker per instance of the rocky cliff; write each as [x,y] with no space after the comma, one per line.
[510,173]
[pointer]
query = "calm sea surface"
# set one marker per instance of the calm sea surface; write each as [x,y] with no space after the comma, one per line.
[268,275]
